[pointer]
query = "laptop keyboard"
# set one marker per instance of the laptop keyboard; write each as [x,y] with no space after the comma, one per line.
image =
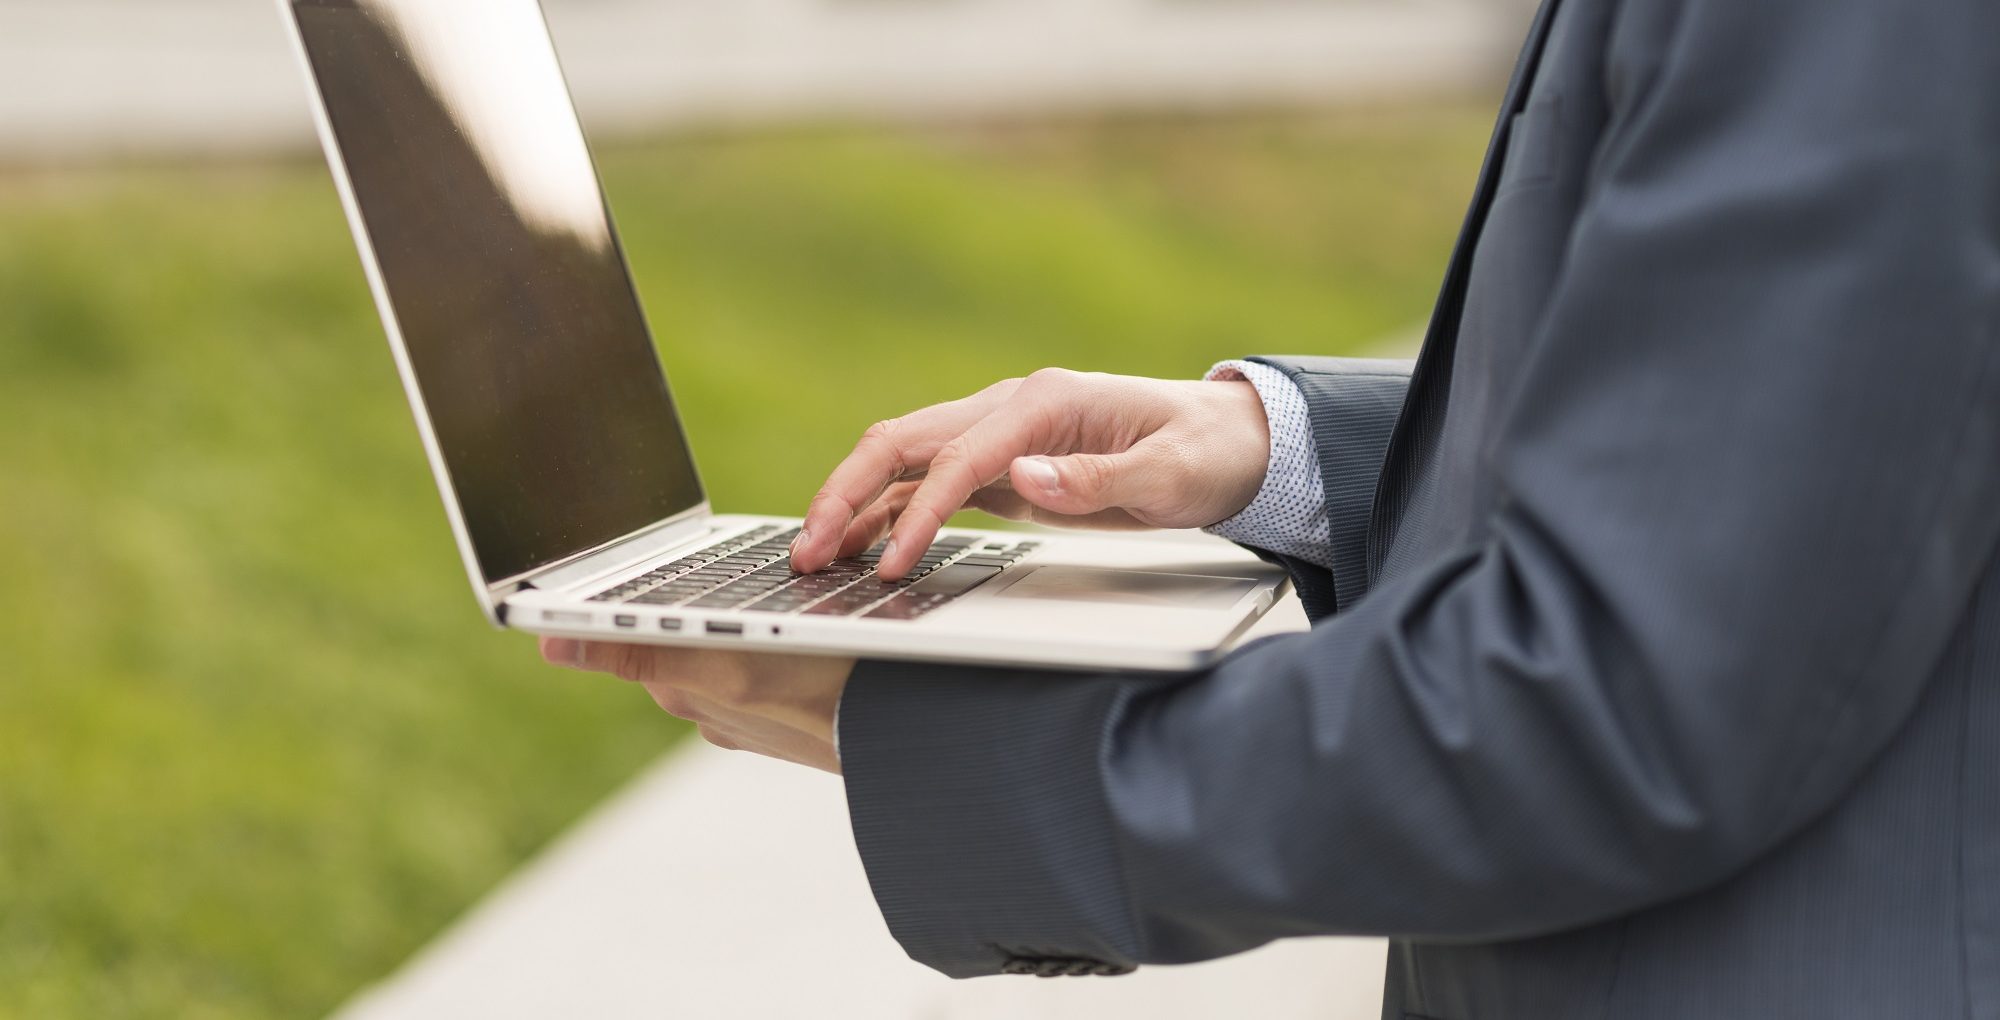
[753,572]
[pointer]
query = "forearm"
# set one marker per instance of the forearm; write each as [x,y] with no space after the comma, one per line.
[1480,751]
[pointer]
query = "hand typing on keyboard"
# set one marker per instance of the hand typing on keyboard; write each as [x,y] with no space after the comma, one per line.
[1060,448]
[753,572]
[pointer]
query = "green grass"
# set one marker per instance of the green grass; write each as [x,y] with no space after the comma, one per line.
[255,744]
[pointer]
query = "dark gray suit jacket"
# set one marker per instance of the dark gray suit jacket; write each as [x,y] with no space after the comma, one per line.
[1660,675]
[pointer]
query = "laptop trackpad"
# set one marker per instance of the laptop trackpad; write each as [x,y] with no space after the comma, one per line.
[1130,587]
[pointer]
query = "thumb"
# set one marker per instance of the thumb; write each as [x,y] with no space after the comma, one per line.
[1084,483]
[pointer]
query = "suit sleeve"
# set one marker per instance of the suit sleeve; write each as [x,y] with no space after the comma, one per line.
[1747,489]
[1352,405]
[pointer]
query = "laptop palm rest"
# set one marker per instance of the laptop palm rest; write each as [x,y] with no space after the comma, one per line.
[1062,583]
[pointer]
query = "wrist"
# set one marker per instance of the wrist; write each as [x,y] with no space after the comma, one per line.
[1287,513]
[1246,407]
[1238,406]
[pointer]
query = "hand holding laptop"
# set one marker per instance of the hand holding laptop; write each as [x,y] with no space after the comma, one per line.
[779,706]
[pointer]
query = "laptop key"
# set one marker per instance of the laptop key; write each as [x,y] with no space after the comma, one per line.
[957,579]
[878,589]
[987,561]
[720,600]
[899,608]
[849,601]
[836,607]
[907,606]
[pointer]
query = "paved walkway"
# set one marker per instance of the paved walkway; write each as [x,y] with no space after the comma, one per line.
[725,887]
[90,76]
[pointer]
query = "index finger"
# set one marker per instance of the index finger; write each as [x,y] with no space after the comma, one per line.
[964,466]
[889,451]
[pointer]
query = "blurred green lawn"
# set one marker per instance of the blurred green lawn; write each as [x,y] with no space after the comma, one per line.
[256,746]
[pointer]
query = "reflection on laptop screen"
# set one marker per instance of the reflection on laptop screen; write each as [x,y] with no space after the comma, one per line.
[503,271]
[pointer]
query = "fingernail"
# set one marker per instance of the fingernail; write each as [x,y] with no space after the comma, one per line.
[580,658]
[798,543]
[889,551]
[1042,473]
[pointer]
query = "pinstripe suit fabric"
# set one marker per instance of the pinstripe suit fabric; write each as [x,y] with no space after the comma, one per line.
[1669,682]
[1355,404]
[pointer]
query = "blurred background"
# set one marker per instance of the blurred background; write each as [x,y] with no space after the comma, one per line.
[256,745]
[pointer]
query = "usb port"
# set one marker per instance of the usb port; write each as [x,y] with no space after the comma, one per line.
[627,622]
[670,624]
[718,627]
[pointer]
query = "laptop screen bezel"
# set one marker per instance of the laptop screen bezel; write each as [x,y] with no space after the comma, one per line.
[492,593]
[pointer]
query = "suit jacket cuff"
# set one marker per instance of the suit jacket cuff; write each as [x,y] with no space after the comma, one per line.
[1354,405]
[978,808]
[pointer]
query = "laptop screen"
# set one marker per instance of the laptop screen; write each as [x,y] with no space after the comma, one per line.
[503,272]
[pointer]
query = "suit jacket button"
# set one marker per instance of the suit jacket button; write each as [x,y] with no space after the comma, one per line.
[1052,968]
[1082,968]
[1018,965]
[1111,970]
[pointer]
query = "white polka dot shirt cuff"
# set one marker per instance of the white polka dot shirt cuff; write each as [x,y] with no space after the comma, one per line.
[1289,514]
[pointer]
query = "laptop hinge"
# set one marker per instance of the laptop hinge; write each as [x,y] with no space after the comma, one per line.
[619,556]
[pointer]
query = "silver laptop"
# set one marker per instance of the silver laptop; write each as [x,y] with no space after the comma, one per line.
[554,438]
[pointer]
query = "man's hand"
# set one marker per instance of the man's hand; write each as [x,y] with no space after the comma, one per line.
[779,706]
[1060,448]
